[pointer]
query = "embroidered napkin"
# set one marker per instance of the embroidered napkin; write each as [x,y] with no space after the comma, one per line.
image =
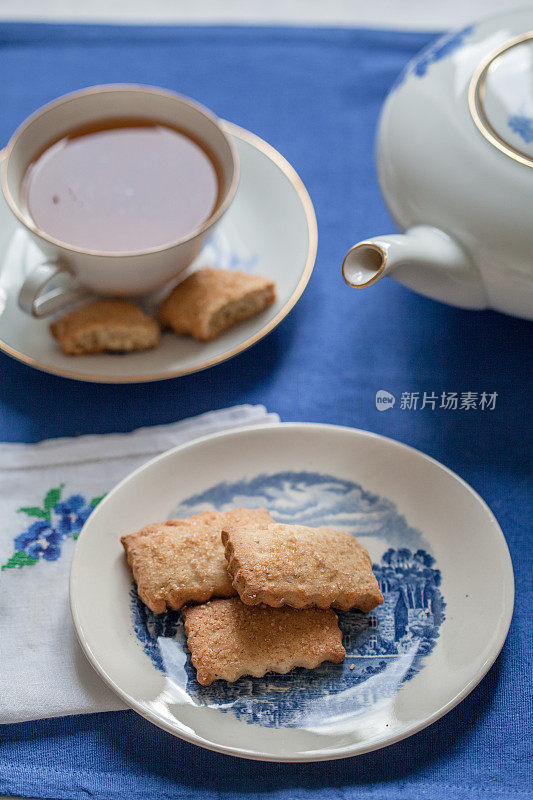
[47,491]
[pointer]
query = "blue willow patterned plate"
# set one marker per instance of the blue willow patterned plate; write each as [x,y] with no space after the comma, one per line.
[439,555]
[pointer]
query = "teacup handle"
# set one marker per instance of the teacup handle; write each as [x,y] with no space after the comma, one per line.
[34,298]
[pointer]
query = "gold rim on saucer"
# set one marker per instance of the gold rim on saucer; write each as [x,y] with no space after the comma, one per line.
[297,183]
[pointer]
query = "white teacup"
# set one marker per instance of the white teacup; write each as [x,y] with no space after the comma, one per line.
[114,273]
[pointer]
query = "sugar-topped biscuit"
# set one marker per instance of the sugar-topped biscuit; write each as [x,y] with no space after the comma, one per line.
[228,639]
[182,561]
[105,326]
[299,566]
[211,300]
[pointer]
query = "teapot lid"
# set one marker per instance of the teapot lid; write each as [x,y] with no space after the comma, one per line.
[501,98]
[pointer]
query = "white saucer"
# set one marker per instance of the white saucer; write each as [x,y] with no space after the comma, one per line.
[269,229]
[439,554]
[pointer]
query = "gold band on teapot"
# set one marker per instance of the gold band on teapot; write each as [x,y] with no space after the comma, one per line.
[476,94]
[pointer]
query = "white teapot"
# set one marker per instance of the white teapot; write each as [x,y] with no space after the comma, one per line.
[455,164]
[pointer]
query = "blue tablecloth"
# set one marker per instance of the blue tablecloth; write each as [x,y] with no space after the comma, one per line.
[315,95]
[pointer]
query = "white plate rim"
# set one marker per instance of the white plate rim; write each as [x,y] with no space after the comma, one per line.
[334,754]
[299,187]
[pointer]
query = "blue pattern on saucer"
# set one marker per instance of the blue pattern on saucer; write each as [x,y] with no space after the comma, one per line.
[384,648]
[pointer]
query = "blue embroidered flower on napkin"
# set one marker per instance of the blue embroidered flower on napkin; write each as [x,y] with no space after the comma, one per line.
[56,520]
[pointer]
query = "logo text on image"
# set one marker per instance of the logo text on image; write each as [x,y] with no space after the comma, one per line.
[384,400]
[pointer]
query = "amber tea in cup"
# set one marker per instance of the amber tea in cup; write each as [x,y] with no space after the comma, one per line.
[121,185]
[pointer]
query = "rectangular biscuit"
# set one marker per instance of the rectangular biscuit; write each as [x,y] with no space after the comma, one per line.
[115,326]
[299,566]
[182,561]
[211,300]
[228,639]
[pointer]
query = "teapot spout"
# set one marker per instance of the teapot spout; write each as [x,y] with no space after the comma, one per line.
[423,258]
